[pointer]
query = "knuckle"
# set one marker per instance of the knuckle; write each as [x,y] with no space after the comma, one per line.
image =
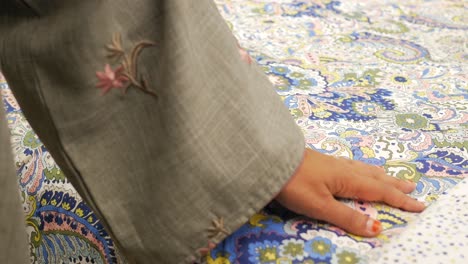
[400,183]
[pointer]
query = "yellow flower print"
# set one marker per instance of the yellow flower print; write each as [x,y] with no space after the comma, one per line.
[79,212]
[218,260]
[66,206]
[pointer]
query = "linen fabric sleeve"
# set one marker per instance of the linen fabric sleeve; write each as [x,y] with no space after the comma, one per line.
[169,133]
[13,242]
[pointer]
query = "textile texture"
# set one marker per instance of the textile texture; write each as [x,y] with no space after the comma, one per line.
[13,235]
[383,82]
[156,145]
[439,235]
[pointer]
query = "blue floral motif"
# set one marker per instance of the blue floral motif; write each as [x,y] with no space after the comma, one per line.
[363,84]
[320,248]
[264,252]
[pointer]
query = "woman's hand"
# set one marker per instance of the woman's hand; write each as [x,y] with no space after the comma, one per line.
[320,178]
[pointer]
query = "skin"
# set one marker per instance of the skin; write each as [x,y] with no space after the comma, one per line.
[320,178]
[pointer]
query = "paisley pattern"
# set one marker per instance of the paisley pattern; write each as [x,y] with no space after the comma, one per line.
[383,83]
[61,227]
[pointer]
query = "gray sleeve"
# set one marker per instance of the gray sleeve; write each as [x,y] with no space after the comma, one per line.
[152,113]
[13,239]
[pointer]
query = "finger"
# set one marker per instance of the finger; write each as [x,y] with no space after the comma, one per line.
[405,186]
[348,219]
[373,190]
[380,174]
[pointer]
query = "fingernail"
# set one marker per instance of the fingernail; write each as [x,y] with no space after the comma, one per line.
[373,226]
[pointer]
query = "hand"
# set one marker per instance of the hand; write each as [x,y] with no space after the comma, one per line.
[320,178]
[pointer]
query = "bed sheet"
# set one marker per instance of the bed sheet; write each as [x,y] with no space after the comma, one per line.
[383,82]
[438,236]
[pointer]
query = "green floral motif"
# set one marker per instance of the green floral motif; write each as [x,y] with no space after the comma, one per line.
[305,84]
[31,140]
[393,27]
[54,174]
[296,75]
[347,257]
[366,79]
[280,69]
[321,247]
[443,143]
[268,254]
[411,121]
[293,248]
[296,113]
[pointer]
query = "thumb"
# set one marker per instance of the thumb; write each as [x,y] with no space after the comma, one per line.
[349,219]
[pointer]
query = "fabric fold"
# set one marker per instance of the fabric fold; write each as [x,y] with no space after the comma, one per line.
[156,118]
[13,246]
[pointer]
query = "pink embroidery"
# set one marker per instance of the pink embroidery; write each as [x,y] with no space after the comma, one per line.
[204,251]
[111,79]
[244,55]
[126,74]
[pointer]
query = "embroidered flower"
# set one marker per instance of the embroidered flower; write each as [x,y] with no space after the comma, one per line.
[206,250]
[244,55]
[109,79]
[126,75]
[217,228]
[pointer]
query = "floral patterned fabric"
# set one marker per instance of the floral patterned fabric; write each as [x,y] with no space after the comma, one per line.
[439,235]
[60,226]
[378,81]
[383,82]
